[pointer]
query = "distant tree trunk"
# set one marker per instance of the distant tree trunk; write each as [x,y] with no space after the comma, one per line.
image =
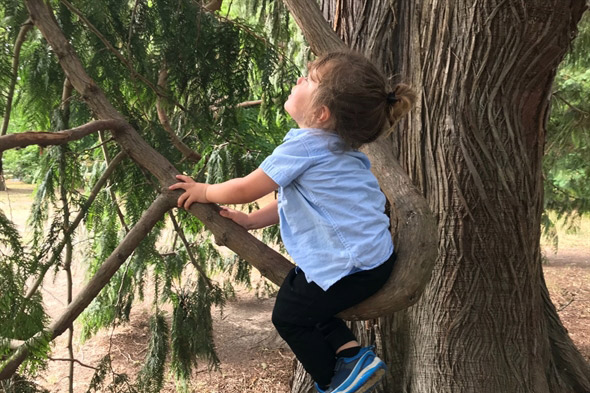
[25,28]
[474,146]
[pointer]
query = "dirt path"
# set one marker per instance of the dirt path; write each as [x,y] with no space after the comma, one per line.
[253,358]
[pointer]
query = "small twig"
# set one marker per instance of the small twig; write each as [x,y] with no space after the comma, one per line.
[558,96]
[73,360]
[565,306]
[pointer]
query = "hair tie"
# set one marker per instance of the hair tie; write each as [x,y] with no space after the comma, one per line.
[391,98]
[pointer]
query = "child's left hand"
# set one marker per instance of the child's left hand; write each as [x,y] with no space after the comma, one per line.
[193,191]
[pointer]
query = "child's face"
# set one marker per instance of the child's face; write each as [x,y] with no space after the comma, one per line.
[299,103]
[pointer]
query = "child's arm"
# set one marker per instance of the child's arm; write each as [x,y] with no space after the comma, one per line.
[239,190]
[268,215]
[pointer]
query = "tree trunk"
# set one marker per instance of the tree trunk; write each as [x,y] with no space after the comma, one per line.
[474,146]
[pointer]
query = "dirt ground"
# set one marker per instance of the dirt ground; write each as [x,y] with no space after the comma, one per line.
[253,358]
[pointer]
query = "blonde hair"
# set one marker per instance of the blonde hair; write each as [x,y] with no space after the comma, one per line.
[362,105]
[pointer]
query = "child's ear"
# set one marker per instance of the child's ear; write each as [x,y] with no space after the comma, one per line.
[323,115]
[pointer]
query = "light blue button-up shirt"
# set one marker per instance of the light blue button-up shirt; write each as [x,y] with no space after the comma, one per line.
[331,209]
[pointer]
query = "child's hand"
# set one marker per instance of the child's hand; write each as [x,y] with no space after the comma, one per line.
[236,216]
[193,191]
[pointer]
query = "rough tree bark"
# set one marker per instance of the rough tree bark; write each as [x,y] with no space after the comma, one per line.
[474,147]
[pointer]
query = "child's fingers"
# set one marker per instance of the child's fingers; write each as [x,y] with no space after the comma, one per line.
[185,178]
[182,198]
[176,186]
[226,211]
[189,201]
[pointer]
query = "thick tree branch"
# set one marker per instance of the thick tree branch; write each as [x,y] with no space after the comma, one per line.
[41,138]
[101,278]
[314,27]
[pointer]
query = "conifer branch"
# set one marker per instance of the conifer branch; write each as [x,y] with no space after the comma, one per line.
[117,54]
[186,151]
[109,267]
[107,160]
[191,256]
[72,227]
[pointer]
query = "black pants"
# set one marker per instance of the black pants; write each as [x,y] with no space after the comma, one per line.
[304,315]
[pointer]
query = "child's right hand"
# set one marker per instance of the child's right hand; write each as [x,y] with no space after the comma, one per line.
[236,216]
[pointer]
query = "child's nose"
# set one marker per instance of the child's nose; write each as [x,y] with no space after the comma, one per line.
[300,79]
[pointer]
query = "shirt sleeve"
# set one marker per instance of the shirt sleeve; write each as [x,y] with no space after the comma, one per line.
[287,162]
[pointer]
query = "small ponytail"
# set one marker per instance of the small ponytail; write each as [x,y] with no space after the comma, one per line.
[400,100]
[357,94]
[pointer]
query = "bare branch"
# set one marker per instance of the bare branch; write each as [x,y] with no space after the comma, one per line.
[570,105]
[247,104]
[42,138]
[74,361]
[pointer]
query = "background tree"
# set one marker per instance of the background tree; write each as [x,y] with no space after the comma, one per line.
[567,154]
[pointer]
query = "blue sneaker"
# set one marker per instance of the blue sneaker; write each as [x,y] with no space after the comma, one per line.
[357,374]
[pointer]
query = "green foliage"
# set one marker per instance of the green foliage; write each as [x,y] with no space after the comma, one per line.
[105,380]
[20,384]
[151,376]
[213,64]
[22,164]
[567,153]
[192,330]
[21,318]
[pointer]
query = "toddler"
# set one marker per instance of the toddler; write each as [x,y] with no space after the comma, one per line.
[330,210]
